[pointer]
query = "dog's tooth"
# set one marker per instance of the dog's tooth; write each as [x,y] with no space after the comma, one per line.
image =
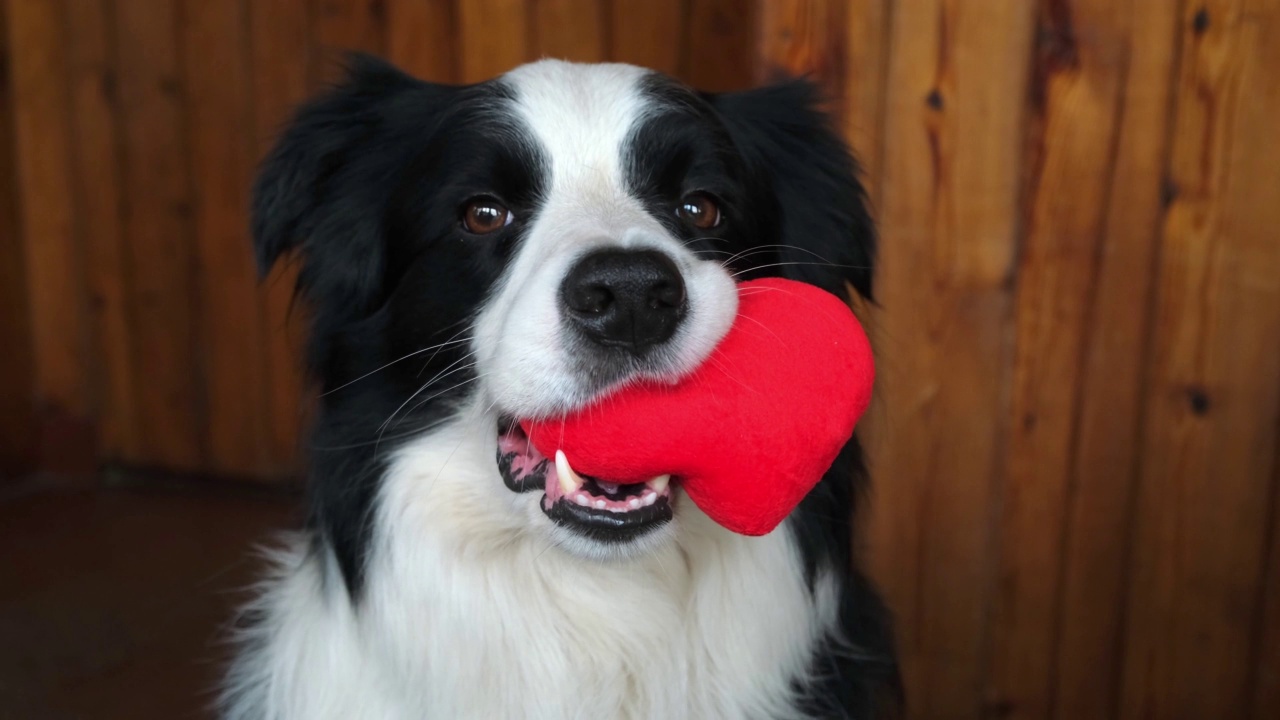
[649,499]
[582,499]
[600,504]
[569,480]
[634,503]
[659,484]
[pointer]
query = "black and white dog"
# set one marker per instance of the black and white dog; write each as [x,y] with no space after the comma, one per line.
[513,249]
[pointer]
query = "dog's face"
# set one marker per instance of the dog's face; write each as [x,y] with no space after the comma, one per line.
[514,249]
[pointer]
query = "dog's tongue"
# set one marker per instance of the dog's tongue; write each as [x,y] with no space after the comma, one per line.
[749,432]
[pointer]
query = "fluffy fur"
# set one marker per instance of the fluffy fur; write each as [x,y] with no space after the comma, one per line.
[424,586]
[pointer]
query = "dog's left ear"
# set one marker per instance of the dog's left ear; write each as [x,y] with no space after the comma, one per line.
[788,142]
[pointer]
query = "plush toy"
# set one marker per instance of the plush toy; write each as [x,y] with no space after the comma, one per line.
[752,429]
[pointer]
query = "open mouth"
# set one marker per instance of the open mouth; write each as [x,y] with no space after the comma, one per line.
[592,507]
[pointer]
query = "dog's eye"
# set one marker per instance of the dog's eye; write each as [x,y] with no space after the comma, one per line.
[699,210]
[483,215]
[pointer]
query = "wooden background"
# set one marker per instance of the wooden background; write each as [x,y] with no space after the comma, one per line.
[1075,441]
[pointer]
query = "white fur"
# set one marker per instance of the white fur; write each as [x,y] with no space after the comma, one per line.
[472,612]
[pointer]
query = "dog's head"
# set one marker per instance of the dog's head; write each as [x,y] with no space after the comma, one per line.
[515,248]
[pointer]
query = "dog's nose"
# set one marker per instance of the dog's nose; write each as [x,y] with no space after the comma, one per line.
[631,299]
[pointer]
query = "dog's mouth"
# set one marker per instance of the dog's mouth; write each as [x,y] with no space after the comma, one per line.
[589,506]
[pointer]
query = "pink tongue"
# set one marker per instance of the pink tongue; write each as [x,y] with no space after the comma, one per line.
[526,457]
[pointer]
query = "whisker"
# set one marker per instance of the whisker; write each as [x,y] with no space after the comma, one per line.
[450,341]
[780,264]
[442,374]
[437,352]
[782,246]
[429,398]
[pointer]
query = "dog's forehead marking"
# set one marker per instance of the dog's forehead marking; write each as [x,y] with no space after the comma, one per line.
[581,115]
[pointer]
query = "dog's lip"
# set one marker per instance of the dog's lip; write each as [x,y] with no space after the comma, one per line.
[590,506]
[607,526]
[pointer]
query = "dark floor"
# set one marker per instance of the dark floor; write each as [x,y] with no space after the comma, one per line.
[113,600]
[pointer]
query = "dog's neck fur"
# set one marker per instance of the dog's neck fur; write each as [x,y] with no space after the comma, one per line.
[471,616]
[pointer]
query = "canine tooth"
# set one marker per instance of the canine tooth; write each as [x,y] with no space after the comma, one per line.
[582,499]
[569,480]
[659,483]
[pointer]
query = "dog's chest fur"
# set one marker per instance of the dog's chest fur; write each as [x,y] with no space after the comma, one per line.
[469,617]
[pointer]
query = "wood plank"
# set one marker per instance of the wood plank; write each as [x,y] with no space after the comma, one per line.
[158,231]
[948,207]
[280,53]
[801,37]
[573,30]
[1103,479]
[1266,669]
[493,37]
[720,44]
[1213,390]
[422,38]
[342,26]
[1080,111]
[861,96]
[18,421]
[54,263]
[648,34]
[220,137]
[97,174]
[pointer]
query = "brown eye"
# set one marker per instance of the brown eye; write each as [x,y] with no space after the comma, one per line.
[699,210]
[482,216]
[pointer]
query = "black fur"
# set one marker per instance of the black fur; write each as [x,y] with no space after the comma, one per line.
[367,184]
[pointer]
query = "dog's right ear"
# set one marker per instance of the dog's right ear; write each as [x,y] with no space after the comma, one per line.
[315,192]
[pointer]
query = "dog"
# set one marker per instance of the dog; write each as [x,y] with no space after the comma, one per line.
[471,255]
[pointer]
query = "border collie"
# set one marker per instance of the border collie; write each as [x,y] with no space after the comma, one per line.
[513,249]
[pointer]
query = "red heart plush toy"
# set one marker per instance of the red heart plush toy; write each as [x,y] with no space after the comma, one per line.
[754,428]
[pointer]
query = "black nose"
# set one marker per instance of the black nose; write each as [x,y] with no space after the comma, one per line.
[631,299]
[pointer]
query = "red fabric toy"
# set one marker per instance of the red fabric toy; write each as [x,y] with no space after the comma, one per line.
[750,431]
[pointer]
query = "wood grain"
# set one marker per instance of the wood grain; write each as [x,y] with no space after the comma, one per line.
[17,401]
[1080,93]
[156,207]
[1265,679]
[93,77]
[570,30]
[51,249]
[718,53]
[1103,477]
[861,100]
[648,34]
[493,37]
[801,37]
[948,208]
[342,26]
[1213,388]
[422,38]
[220,134]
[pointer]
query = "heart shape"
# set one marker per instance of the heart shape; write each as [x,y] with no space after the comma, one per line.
[749,432]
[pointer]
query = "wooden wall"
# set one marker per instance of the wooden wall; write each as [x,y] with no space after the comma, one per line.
[1075,439]
[135,128]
